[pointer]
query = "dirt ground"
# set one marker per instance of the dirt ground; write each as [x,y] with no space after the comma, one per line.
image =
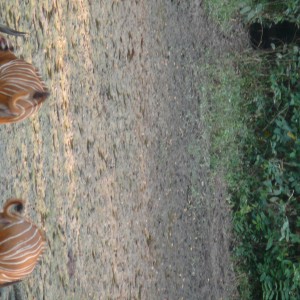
[115,166]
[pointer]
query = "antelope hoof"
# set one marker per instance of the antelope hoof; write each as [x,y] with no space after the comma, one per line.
[5,45]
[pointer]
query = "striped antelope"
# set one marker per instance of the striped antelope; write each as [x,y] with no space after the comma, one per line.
[22,89]
[21,243]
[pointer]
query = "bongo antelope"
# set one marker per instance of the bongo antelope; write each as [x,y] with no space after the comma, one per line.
[21,244]
[22,89]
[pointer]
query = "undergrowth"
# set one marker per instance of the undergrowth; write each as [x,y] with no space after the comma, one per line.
[255,128]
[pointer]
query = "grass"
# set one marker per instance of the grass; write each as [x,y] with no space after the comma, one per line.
[222,91]
[226,114]
[254,100]
[223,12]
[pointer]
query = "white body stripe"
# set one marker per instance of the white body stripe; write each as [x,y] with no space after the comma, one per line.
[15,236]
[21,76]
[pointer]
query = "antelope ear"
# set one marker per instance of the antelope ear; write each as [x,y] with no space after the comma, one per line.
[5,44]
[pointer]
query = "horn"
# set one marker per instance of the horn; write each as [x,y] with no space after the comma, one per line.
[11,31]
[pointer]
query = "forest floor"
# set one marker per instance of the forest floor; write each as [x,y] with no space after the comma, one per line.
[115,167]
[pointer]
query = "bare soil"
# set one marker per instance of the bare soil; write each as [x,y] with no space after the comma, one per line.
[116,165]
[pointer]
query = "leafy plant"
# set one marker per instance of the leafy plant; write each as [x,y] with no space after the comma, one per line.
[269,11]
[268,213]
[262,153]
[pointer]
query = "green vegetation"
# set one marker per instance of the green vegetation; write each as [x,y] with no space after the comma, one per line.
[223,11]
[254,101]
[265,11]
[268,11]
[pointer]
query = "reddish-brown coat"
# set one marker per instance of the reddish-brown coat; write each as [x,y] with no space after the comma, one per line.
[21,244]
[22,89]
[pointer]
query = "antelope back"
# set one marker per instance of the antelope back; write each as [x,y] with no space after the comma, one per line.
[22,89]
[21,244]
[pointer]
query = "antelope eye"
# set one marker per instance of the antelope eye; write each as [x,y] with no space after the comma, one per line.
[19,208]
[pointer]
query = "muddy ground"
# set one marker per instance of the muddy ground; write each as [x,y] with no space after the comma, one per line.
[116,166]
